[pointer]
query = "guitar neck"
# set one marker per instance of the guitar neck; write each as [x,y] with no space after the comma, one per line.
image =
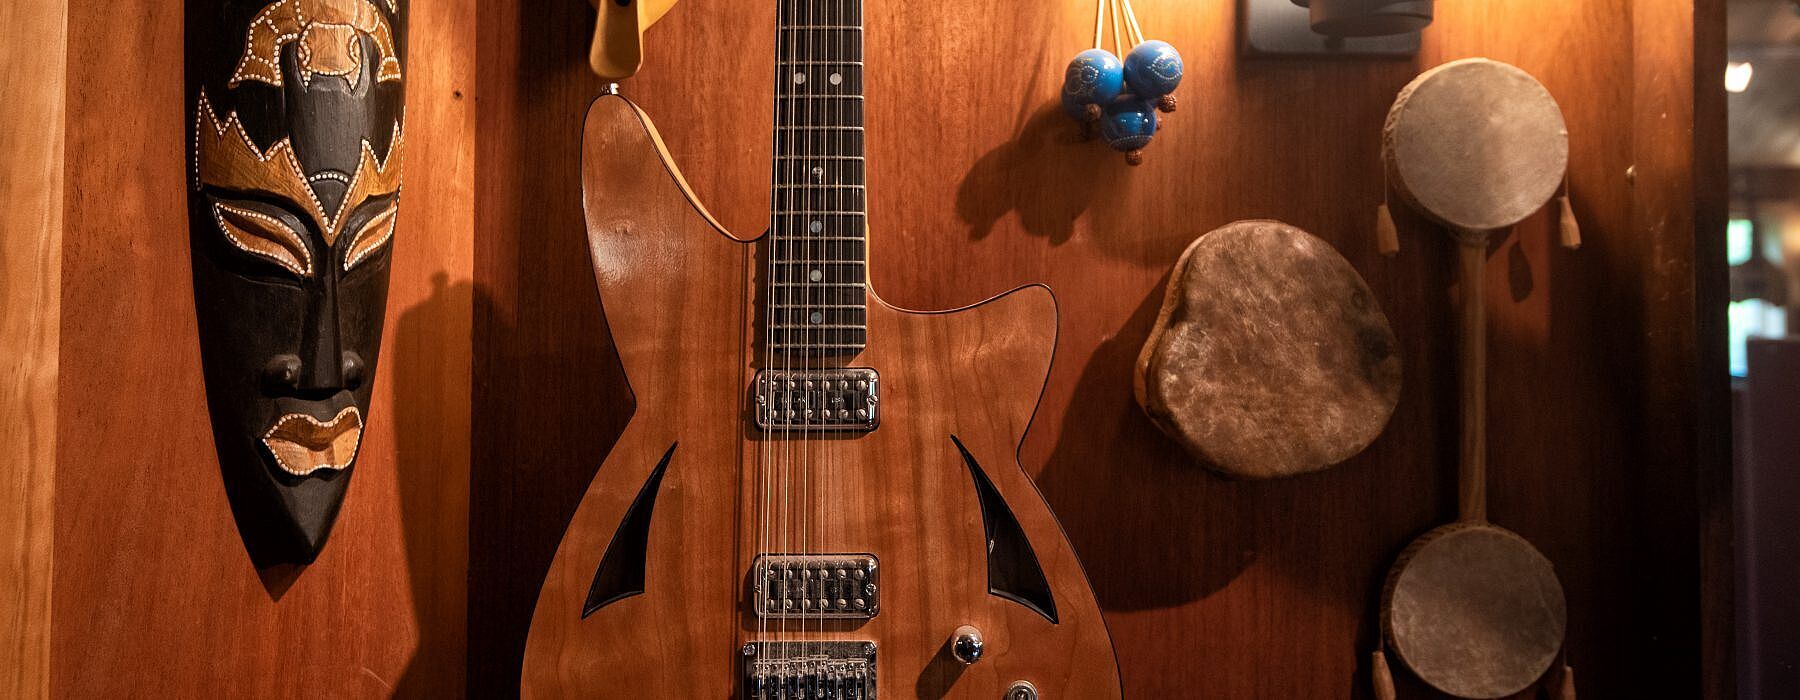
[817,278]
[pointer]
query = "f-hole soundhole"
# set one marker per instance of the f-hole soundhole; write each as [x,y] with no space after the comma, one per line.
[621,572]
[1013,570]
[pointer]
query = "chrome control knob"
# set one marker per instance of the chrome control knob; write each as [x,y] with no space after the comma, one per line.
[1022,690]
[966,645]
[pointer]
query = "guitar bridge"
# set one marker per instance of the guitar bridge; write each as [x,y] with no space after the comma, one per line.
[809,670]
[818,399]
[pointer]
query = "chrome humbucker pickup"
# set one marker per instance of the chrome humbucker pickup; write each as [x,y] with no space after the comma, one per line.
[809,670]
[816,586]
[817,399]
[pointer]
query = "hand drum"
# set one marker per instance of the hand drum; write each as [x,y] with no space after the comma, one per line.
[1270,357]
[1473,609]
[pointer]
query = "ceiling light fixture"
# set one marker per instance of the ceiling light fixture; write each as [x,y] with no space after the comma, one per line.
[1737,76]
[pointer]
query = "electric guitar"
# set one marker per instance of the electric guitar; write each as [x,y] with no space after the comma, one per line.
[818,496]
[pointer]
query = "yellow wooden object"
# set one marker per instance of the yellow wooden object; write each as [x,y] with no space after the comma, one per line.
[619,34]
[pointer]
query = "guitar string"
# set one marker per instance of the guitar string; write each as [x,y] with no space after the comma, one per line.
[786,446]
[803,91]
[767,389]
[837,13]
[835,178]
[860,296]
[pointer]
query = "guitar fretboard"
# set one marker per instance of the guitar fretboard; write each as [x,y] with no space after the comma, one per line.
[817,298]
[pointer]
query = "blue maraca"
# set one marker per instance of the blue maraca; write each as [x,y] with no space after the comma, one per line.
[1153,69]
[1127,125]
[1095,77]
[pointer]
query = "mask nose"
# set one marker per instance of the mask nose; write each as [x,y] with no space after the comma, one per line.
[324,366]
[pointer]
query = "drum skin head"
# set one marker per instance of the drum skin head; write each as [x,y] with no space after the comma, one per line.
[1475,145]
[1271,357]
[1474,610]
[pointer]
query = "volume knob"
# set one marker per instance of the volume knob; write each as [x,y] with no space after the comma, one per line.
[966,645]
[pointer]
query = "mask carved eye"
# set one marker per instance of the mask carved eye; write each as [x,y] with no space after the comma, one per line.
[264,236]
[371,236]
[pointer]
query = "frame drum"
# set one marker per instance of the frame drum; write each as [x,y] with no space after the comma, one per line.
[1475,145]
[1270,357]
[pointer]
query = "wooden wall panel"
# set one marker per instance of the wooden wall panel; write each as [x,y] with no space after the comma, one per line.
[33,57]
[154,595]
[977,184]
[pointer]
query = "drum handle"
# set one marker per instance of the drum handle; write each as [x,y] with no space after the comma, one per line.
[1472,360]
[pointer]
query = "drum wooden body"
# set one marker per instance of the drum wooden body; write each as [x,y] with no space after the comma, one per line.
[1270,357]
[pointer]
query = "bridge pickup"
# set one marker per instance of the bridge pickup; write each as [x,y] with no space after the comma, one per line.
[818,399]
[809,670]
[816,586]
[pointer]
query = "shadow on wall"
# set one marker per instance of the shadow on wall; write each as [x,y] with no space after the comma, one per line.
[1056,171]
[433,491]
[1158,501]
[1048,173]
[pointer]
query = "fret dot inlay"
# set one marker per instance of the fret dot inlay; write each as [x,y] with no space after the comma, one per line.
[837,78]
[799,78]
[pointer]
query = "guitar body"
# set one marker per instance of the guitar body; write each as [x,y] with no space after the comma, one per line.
[958,391]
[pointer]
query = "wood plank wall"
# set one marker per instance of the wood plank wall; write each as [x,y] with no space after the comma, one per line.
[154,595]
[32,57]
[498,394]
[1602,358]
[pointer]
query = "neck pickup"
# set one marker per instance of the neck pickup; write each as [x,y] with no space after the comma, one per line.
[796,401]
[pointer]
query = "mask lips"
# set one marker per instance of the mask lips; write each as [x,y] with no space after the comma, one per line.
[302,444]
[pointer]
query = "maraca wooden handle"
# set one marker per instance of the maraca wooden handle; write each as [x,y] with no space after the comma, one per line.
[1472,360]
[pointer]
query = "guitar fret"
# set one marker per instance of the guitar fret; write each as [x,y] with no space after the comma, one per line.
[820,306]
[818,63]
[843,251]
[795,127]
[838,299]
[822,27]
[818,315]
[799,141]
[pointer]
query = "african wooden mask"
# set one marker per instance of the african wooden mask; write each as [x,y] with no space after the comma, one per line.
[296,141]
